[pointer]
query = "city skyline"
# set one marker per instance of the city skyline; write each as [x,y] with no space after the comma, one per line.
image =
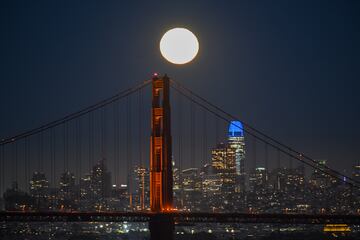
[217,179]
[272,81]
[179,120]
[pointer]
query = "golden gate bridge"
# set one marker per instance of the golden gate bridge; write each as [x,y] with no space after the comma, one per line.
[185,129]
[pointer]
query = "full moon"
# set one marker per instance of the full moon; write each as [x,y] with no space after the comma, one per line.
[179,46]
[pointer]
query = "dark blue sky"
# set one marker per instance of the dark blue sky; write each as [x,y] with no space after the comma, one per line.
[290,68]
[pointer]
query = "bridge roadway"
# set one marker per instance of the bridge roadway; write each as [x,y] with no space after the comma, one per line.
[179,217]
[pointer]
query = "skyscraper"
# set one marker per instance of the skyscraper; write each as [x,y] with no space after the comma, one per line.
[39,185]
[236,141]
[67,185]
[101,180]
[141,187]
[223,163]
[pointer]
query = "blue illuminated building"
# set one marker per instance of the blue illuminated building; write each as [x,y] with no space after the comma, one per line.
[236,129]
[236,141]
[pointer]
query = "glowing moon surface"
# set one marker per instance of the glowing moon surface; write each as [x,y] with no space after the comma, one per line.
[179,46]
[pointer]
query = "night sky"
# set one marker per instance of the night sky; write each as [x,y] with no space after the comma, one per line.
[290,68]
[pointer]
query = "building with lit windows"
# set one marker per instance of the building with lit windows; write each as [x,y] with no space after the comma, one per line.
[39,185]
[67,185]
[141,192]
[223,163]
[236,141]
[257,178]
[223,159]
[191,189]
[100,180]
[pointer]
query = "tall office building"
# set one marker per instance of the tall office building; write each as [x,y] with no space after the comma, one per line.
[39,185]
[67,185]
[223,159]
[223,163]
[100,180]
[257,179]
[141,187]
[236,141]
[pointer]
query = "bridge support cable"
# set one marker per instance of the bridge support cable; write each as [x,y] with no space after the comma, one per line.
[140,122]
[65,147]
[16,163]
[116,142]
[260,136]
[103,133]
[91,139]
[129,149]
[255,153]
[192,136]
[204,139]
[179,146]
[78,155]
[217,130]
[41,152]
[52,156]
[74,115]
[2,167]
[266,161]
[278,159]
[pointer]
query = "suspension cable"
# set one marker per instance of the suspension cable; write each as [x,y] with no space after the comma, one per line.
[288,153]
[288,148]
[74,115]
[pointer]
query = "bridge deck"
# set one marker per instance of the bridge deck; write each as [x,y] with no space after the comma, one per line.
[179,217]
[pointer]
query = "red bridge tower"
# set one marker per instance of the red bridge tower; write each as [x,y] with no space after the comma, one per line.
[161,177]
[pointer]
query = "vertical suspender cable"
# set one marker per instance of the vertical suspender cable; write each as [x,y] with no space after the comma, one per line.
[180,119]
[91,140]
[38,154]
[41,167]
[266,161]
[180,135]
[66,151]
[278,159]
[140,117]
[192,136]
[128,147]
[78,148]
[116,141]
[204,141]
[254,153]
[13,165]
[27,161]
[217,131]
[2,171]
[3,168]
[114,146]
[16,162]
[103,133]
[52,157]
